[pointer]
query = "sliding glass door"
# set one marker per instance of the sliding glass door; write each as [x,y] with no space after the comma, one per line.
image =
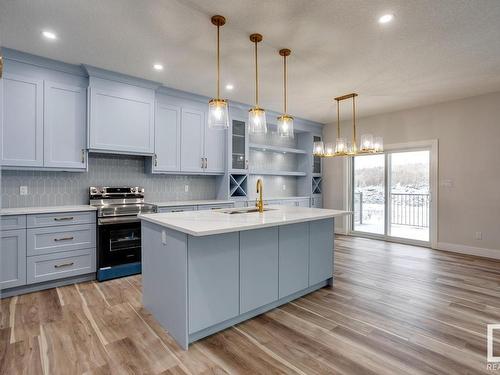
[391,195]
[369,194]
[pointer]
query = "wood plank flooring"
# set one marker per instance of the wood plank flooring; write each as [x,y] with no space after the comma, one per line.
[393,309]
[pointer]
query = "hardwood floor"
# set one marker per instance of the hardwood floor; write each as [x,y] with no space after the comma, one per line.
[393,309]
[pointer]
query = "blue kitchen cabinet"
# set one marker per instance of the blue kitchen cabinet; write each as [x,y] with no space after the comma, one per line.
[215,147]
[213,279]
[13,258]
[121,118]
[65,127]
[167,157]
[258,268]
[320,250]
[22,121]
[193,124]
[293,258]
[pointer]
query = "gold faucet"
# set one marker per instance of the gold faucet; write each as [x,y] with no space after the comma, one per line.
[258,202]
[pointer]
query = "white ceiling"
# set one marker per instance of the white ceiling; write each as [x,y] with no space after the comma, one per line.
[433,50]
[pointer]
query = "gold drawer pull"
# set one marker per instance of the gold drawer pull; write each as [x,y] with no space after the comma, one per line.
[63,265]
[64,239]
[63,218]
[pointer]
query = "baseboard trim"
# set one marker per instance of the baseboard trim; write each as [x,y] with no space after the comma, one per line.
[469,250]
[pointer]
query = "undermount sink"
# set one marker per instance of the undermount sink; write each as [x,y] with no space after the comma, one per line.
[245,210]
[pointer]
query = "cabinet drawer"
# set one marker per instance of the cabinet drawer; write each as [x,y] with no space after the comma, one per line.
[61,218]
[13,222]
[176,209]
[60,265]
[56,239]
[215,206]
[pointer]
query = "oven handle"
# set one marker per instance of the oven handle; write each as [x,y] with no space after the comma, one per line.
[117,220]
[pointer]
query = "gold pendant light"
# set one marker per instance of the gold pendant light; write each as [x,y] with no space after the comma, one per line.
[218,113]
[256,116]
[342,147]
[285,121]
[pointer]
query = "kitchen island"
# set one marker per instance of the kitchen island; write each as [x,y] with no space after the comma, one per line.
[205,271]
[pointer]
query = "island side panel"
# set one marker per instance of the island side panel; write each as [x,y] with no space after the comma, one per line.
[258,268]
[164,278]
[213,274]
[320,250]
[293,258]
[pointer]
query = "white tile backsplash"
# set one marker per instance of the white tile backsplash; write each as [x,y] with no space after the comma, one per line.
[62,188]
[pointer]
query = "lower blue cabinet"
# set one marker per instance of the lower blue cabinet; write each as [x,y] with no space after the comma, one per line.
[212,280]
[320,250]
[293,258]
[13,258]
[258,268]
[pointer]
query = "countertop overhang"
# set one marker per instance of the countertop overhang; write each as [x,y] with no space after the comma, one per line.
[45,210]
[205,223]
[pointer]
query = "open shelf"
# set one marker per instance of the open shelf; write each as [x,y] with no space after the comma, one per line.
[277,173]
[263,147]
[238,185]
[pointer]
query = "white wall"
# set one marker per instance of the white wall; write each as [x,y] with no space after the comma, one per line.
[468,131]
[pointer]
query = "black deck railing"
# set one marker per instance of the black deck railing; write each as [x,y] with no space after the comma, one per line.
[406,209]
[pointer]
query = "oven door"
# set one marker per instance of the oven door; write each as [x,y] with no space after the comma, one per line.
[119,243]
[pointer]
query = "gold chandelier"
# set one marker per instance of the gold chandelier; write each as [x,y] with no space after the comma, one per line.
[368,145]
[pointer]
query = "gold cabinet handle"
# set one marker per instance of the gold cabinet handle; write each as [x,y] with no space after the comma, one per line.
[64,239]
[202,163]
[63,265]
[63,218]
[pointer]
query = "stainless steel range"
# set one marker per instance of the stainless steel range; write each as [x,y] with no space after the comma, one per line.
[118,229]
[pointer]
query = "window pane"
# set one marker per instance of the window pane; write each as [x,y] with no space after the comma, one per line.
[369,194]
[409,195]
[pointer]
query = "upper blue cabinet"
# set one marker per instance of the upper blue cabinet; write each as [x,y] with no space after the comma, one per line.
[64,125]
[43,114]
[183,141]
[121,113]
[22,121]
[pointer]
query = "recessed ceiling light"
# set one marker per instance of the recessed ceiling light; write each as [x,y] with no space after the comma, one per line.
[158,67]
[229,86]
[49,35]
[386,18]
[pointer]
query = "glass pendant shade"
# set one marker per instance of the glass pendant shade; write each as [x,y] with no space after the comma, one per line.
[218,114]
[257,123]
[366,144]
[329,149]
[340,146]
[318,148]
[351,148]
[285,126]
[378,144]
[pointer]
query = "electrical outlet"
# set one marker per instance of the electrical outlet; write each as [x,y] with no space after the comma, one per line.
[284,187]
[478,236]
[23,190]
[186,188]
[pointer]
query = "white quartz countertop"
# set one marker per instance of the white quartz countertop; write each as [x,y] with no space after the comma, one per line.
[44,210]
[204,223]
[191,203]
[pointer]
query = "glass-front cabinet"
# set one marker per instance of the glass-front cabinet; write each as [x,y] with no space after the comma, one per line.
[316,159]
[239,149]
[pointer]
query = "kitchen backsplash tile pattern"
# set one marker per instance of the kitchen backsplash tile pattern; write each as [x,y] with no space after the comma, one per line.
[273,186]
[62,188]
